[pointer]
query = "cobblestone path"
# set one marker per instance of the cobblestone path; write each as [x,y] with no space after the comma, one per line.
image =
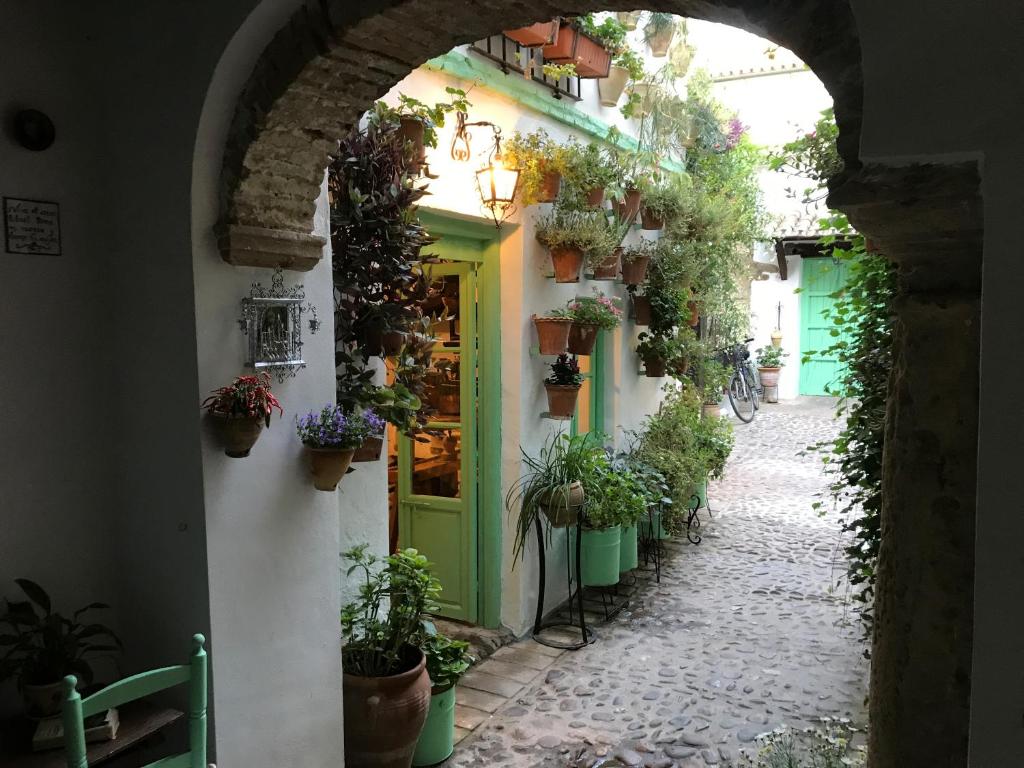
[741,636]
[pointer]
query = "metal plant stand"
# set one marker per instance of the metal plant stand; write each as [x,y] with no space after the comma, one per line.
[587,635]
[693,521]
[651,547]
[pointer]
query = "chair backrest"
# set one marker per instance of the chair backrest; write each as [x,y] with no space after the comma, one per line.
[74,709]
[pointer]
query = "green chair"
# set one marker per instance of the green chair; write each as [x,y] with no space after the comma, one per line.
[75,709]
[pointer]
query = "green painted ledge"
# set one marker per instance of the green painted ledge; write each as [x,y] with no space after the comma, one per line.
[527,93]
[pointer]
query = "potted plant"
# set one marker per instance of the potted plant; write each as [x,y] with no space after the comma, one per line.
[713,441]
[418,122]
[553,332]
[626,66]
[385,685]
[659,31]
[445,388]
[571,235]
[371,447]
[714,378]
[635,259]
[589,315]
[40,647]
[541,33]
[589,171]
[655,350]
[664,200]
[240,410]
[331,437]
[601,529]
[541,162]
[574,46]
[628,19]
[623,490]
[656,497]
[563,387]
[447,660]
[641,306]
[769,365]
[688,348]
[608,269]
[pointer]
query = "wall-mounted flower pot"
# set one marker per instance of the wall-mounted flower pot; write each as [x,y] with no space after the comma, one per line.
[595,197]
[628,207]
[610,88]
[679,367]
[609,268]
[238,434]
[647,92]
[568,262]
[541,33]
[634,272]
[437,739]
[328,466]
[641,310]
[392,342]
[561,399]
[562,507]
[553,334]
[550,184]
[573,46]
[370,450]
[655,367]
[650,221]
[599,556]
[582,337]
[411,130]
[628,19]
[628,559]
[660,41]
[694,313]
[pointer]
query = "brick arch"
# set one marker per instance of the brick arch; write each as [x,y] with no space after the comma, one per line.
[332,60]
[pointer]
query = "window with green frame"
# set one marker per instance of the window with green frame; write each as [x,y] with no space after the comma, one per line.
[589,416]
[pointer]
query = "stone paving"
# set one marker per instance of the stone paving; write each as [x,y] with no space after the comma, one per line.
[741,636]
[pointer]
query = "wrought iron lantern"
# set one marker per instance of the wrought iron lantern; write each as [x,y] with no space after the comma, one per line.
[496,182]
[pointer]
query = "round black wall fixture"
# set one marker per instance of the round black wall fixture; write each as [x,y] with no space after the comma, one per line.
[34,130]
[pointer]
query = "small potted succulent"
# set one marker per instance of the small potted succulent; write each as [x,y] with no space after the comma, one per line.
[40,647]
[447,661]
[240,410]
[563,387]
[553,332]
[656,351]
[331,436]
[635,259]
[373,445]
[769,365]
[589,315]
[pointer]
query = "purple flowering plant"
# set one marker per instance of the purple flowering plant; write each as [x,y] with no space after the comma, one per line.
[333,428]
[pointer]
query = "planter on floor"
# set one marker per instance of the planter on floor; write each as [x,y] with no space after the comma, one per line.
[437,739]
[562,506]
[568,263]
[582,337]
[552,334]
[573,46]
[700,490]
[328,466]
[634,272]
[238,434]
[599,566]
[628,558]
[370,450]
[541,33]
[562,399]
[610,88]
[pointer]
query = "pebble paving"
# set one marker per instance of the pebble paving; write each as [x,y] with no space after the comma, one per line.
[743,634]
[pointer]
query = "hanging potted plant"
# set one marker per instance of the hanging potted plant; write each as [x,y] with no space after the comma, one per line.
[665,199]
[643,97]
[331,438]
[659,31]
[418,122]
[628,19]
[41,647]
[541,162]
[240,410]
[687,349]
[563,387]
[635,259]
[447,661]
[541,33]
[574,46]
[372,447]
[624,64]
[608,269]
[590,315]
[553,332]
[570,235]
[769,365]
[641,307]
[656,351]
[385,685]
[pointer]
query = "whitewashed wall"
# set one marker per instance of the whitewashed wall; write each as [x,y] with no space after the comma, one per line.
[765,296]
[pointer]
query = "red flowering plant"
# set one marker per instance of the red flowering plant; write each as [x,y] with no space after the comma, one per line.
[247,397]
[599,310]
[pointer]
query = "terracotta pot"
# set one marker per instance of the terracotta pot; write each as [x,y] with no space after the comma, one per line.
[627,208]
[370,450]
[634,272]
[679,366]
[694,313]
[542,33]
[595,197]
[647,93]
[392,342]
[711,410]
[449,399]
[610,88]
[567,262]
[550,184]
[553,334]
[650,221]
[328,466]
[582,337]
[661,40]
[655,367]
[573,46]
[561,399]
[43,700]
[383,716]
[562,507]
[609,268]
[411,130]
[769,376]
[776,338]
[371,339]
[239,434]
[628,19]
[641,310]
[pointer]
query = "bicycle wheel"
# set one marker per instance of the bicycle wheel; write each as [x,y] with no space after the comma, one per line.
[740,398]
[752,385]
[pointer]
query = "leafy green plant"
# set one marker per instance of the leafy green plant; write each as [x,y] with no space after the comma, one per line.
[557,72]
[654,346]
[600,310]
[667,196]
[535,155]
[615,495]
[713,377]
[713,441]
[42,646]
[770,357]
[588,167]
[657,22]
[565,372]
[827,747]
[432,117]
[608,31]
[568,227]
[447,659]
[634,251]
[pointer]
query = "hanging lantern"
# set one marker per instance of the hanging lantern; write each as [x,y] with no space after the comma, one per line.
[498,184]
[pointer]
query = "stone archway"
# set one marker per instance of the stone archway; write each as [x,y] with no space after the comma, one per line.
[328,64]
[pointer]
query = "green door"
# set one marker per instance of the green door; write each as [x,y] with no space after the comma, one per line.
[820,279]
[437,470]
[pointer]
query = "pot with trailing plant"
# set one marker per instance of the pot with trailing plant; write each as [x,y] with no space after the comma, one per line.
[541,162]
[664,200]
[769,366]
[553,332]
[655,350]
[418,122]
[590,315]
[373,445]
[570,235]
[40,647]
[239,411]
[659,31]
[385,685]
[447,661]
[563,387]
[635,259]
[331,437]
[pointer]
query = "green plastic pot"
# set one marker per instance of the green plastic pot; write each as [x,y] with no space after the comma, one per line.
[628,559]
[654,522]
[600,554]
[701,491]
[437,739]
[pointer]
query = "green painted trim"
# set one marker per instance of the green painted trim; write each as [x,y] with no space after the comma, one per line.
[529,94]
[597,382]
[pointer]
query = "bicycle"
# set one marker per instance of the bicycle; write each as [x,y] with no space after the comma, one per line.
[744,387]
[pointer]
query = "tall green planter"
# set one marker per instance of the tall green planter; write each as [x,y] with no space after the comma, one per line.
[628,559]
[600,554]
[652,528]
[437,740]
[701,491]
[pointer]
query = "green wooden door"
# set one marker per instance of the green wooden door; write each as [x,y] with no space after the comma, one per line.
[820,279]
[437,471]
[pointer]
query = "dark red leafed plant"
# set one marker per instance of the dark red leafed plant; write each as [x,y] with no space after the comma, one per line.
[247,397]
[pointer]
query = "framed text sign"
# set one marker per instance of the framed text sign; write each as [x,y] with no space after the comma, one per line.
[31,227]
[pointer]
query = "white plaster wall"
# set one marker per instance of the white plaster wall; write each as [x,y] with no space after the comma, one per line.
[765,296]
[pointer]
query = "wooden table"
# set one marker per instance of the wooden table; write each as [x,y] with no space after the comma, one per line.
[139,721]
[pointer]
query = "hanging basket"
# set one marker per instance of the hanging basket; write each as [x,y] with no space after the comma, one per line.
[660,41]
[562,506]
[582,337]
[634,272]
[574,46]
[609,268]
[628,19]
[595,197]
[370,450]
[411,130]
[541,33]
[641,310]
[328,466]
[238,435]
[553,334]
[568,263]
[610,88]
[629,206]
[562,399]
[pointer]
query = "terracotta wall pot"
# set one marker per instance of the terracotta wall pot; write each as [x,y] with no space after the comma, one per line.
[371,338]
[661,40]
[628,19]
[392,342]
[694,313]
[629,206]
[553,334]
[679,367]
[595,197]
[328,466]
[655,367]
[769,376]
[411,131]
[370,450]
[610,88]
[561,399]
[567,262]
[383,716]
[542,33]
[609,268]
[634,272]
[550,184]
[641,310]
[43,700]
[582,338]
[239,434]
[589,56]
[650,221]
[562,508]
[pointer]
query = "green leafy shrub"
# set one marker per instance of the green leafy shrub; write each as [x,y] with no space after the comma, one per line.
[770,357]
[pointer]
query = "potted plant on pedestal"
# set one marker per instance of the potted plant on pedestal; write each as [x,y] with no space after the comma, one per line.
[553,332]
[447,660]
[331,438]
[385,686]
[622,490]
[601,530]
[541,163]
[769,365]
[39,648]
[659,31]
[563,387]
[240,410]
[590,315]
[570,235]
[657,498]
[373,445]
